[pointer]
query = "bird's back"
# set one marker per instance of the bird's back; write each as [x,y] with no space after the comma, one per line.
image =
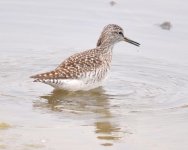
[85,69]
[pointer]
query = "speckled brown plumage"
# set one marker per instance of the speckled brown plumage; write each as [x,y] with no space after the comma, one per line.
[87,69]
[74,66]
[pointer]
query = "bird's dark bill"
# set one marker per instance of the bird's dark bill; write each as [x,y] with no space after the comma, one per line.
[132,42]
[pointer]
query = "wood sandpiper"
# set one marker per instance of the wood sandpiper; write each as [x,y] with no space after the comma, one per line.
[88,69]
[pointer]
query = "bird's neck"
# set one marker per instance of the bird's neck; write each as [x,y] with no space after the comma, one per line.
[106,48]
[105,45]
[107,55]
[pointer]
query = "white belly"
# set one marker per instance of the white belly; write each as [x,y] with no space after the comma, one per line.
[74,85]
[88,81]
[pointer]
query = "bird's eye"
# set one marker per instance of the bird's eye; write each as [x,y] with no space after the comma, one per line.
[120,33]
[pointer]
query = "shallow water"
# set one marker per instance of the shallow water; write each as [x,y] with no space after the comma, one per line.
[143,104]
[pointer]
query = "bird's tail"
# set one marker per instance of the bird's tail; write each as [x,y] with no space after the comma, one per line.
[43,76]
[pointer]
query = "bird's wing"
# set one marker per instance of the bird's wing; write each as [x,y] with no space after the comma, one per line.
[74,66]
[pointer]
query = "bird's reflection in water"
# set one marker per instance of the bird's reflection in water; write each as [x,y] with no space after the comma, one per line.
[83,103]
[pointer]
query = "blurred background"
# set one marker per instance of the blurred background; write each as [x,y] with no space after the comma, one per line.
[143,104]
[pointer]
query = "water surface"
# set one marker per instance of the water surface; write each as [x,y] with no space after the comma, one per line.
[143,104]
